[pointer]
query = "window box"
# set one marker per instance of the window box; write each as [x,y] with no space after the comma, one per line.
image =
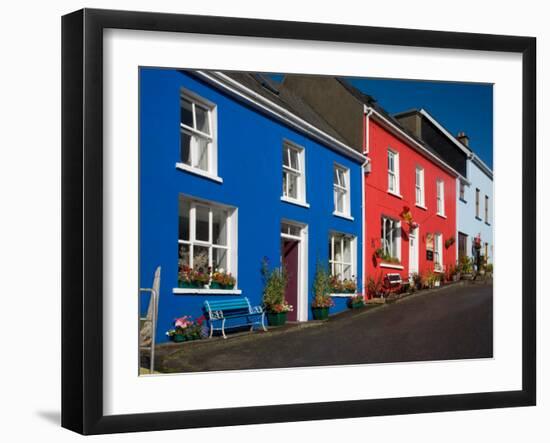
[205,291]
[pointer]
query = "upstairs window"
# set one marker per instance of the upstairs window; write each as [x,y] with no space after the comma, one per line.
[477,204]
[462,191]
[440,186]
[487,209]
[419,186]
[393,172]
[197,134]
[293,173]
[341,191]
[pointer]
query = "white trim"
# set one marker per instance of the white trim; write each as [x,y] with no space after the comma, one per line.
[234,87]
[440,197]
[395,194]
[421,187]
[415,233]
[294,202]
[200,172]
[391,266]
[363,227]
[395,171]
[205,291]
[415,143]
[338,170]
[344,294]
[422,207]
[347,217]
[302,296]
[442,216]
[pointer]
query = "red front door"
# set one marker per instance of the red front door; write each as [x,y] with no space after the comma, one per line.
[289,251]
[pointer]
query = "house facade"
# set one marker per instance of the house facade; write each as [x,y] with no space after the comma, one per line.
[233,171]
[409,213]
[474,185]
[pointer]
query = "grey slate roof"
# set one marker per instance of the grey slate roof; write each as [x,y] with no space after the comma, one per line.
[281,96]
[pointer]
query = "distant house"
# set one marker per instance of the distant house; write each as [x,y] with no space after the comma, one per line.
[410,195]
[233,170]
[474,189]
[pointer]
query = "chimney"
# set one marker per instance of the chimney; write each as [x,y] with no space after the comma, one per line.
[463,138]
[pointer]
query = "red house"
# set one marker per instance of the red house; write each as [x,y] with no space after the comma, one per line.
[410,203]
[409,191]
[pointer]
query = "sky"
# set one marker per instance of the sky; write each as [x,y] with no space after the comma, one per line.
[458,107]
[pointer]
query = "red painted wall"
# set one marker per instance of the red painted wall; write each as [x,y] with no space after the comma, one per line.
[379,202]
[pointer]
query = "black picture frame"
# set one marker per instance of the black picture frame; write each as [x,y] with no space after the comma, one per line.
[82,231]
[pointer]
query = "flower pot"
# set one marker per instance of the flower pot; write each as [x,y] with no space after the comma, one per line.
[320,313]
[215,285]
[178,338]
[276,318]
[356,305]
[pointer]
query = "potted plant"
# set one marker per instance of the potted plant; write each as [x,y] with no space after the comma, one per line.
[466,268]
[185,329]
[322,301]
[222,280]
[356,301]
[375,285]
[274,302]
[449,242]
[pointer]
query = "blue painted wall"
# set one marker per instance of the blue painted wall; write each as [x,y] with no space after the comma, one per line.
[249,162]
[467,222]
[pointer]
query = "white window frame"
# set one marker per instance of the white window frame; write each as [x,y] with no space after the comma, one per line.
[462,190]
[393,175]
[438,252]
[299,173]
[419,187]
[440,197]
[231,232]
[212,143]
[333,263]
[339,189]
[394,234]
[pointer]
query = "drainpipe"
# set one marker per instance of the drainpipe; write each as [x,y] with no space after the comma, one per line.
[366,118]
[366,142]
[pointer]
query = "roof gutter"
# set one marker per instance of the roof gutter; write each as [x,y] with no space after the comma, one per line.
[240,91]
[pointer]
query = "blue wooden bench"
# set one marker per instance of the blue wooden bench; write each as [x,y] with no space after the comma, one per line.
[236,308]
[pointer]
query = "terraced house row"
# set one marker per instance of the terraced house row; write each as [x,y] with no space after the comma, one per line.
[237,171]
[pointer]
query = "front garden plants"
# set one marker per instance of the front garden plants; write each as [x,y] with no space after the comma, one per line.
[185,329]
[275,305]
[322,301]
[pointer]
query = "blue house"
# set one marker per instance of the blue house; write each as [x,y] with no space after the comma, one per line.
[233,169]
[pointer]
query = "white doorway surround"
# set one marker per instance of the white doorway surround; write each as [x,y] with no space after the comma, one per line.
[413,251]
[291,230]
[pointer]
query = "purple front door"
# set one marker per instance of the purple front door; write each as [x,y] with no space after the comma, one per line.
[289,251]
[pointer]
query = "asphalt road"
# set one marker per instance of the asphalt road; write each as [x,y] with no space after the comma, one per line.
[452,323]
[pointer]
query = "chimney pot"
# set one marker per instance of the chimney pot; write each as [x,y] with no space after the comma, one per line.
[463,138]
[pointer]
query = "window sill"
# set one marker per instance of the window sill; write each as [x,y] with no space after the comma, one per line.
[199,172]
[344,294]
[462,200]
[421,207]
[295,202]
[200,291]
[391,266]
[395,194]
[478,218]
[438,271]
[347,217]
[442,216]
[488,224]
